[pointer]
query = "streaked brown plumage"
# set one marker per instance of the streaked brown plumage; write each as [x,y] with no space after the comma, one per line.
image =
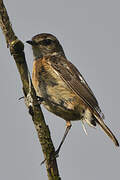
[60,84]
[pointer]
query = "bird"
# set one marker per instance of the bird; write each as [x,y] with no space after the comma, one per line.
[62,88]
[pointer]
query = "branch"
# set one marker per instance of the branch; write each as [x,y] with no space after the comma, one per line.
[17,51]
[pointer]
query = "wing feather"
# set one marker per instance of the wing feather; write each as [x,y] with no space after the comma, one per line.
[72,77]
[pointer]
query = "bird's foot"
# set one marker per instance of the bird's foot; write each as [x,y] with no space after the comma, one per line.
[56,154]
[40,99]
[52,157]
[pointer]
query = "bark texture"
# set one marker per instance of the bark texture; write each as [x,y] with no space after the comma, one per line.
[17,51]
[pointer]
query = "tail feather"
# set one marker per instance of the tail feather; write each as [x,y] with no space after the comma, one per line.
[106,130]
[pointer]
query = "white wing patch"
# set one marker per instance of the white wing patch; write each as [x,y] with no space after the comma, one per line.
[81,79]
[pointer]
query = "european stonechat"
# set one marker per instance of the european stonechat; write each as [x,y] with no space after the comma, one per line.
[62,88]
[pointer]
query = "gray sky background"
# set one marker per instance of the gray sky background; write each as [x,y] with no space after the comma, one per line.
[89,31]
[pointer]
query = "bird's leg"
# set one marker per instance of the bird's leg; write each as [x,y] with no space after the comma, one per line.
[68,126]
[56,154]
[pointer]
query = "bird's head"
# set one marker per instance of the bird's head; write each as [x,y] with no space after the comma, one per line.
[45,44]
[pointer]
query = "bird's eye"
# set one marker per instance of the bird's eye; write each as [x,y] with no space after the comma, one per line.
[46,42]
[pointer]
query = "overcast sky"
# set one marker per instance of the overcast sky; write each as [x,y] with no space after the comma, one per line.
[89,31]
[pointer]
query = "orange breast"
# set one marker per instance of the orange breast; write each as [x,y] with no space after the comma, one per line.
[36,69]
[60,99]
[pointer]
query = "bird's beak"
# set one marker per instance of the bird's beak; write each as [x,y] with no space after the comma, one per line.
[29,42]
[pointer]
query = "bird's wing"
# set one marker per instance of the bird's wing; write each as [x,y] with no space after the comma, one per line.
[72,77]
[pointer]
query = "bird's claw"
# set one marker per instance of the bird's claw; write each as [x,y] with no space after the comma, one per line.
[43,162]
[21,98]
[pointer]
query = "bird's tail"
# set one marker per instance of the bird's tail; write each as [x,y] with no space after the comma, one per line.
[106,129]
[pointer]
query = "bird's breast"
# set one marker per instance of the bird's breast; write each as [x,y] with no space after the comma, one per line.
[59,98]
